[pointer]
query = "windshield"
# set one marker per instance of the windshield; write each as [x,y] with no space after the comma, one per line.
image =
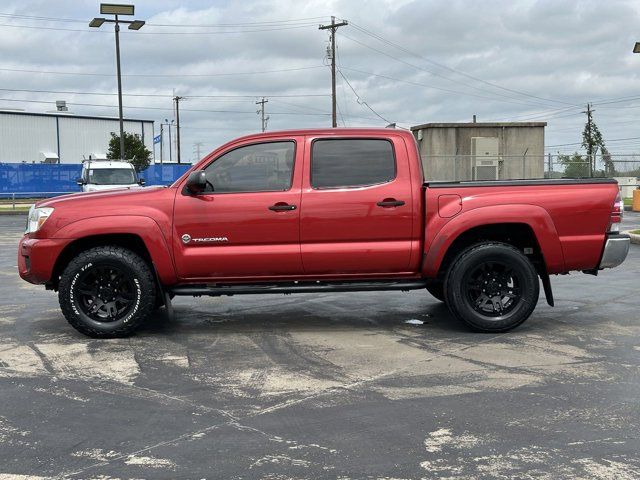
[111,176]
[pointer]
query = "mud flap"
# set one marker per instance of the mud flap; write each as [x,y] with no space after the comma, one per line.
[546,284]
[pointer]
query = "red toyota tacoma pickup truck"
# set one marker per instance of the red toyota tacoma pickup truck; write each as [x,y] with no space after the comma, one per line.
[315,211]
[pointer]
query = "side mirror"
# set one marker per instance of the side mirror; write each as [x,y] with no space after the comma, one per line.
[197,182]
[80,182]
[141,181]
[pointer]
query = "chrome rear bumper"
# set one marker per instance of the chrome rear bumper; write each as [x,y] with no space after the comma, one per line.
[615,250]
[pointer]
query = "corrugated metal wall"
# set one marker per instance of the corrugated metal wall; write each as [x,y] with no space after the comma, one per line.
[25,137]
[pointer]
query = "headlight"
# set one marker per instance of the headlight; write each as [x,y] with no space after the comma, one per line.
[37,217]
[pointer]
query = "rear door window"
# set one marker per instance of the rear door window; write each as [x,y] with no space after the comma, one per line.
[340,163]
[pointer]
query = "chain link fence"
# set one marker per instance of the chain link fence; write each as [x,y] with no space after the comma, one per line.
[514,167]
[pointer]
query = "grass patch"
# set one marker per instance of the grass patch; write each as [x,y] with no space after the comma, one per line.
[16,211]
[635,232]
[628,201]
[9,201]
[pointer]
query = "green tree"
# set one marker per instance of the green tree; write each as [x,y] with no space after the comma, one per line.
[134,150]
[592,140]
[575,166]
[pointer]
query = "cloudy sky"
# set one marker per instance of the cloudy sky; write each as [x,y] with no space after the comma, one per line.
[409,62]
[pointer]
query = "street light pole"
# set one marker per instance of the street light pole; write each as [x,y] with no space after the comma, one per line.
[115,10]
[120,114]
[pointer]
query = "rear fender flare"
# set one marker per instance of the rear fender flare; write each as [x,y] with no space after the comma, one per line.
[532,215]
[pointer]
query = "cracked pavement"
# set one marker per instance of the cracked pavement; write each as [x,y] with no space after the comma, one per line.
[323,386]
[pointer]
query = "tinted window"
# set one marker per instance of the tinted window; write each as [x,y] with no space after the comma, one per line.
[111,176]
[351,163]
[262,167]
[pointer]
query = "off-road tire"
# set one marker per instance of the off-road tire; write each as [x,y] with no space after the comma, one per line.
[459,294]
[143,292]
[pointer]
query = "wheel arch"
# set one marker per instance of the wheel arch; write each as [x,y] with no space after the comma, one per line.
[138,234]
[523,226]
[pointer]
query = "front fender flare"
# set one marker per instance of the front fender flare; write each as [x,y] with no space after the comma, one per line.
[144,227]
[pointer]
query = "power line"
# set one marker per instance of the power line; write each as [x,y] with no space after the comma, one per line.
[67,92]
[442,89]
[171,75]
[437,74]
[256,30]
[166,109]
[360,100]
[271,22]
[388,42]
[580,143]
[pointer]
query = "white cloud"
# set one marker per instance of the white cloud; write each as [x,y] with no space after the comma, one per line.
[568,52]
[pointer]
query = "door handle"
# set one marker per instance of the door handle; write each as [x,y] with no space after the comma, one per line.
[390,202]
[281,207]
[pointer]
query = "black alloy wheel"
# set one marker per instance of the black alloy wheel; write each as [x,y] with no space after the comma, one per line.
[107,292]
[492,287]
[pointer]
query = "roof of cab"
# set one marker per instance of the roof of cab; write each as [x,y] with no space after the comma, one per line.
[326,132]
[106,164]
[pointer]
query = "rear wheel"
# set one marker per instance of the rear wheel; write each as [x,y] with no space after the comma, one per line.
[107,292]
[492,287]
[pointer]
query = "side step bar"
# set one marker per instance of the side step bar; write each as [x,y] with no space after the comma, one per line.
[216,290]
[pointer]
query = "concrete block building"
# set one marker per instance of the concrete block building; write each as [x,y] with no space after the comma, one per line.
[481,151]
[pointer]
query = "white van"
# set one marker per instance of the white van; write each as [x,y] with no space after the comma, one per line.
[108,174]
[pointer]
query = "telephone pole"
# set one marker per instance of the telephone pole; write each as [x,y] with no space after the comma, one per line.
[332,37]
[589,140]
[197,146]
[177,100]
[262,113]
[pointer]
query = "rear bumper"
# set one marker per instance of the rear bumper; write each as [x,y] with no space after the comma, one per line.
[615,251]
[37,257]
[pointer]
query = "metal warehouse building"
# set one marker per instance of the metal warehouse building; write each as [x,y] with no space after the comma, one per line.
[481,151]
[61,137]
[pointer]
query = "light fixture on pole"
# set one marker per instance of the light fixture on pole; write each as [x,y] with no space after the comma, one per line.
[116,10]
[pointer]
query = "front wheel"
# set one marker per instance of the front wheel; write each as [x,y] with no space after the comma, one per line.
[107,292]
[492,287]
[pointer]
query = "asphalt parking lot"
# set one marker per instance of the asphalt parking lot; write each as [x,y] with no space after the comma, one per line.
[324,386]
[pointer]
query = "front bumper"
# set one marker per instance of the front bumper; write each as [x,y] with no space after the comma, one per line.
[616,248]
[37,257]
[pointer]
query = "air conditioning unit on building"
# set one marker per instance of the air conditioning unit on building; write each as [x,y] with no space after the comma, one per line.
[485,160]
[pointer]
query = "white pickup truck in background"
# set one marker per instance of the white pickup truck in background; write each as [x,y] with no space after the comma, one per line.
[108,174]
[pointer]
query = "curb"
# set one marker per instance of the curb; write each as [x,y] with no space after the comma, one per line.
[635,238]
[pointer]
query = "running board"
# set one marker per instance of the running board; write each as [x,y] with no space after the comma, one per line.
[216,290]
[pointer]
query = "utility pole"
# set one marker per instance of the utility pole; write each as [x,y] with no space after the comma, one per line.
[332,36]
[262,112]
[197,146]
[168,124]
[177,100]
[589,139]
[161,141]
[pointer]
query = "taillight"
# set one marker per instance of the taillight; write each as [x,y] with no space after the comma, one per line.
[617,211]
